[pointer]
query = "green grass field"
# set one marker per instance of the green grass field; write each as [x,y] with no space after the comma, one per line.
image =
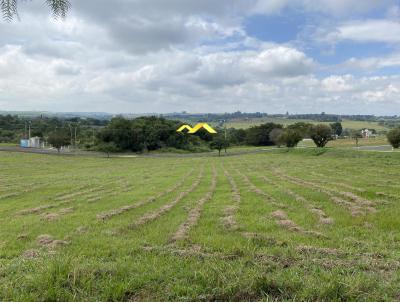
[347,124]
[302,225]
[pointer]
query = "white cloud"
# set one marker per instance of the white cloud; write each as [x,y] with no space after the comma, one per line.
[329,7]
[337,83]
[370,31]
[163,56]
[371,64]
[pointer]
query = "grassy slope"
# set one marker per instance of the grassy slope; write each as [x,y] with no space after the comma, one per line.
[230,253]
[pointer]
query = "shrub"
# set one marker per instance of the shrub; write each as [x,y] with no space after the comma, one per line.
[394,138]
[276,136]
[291,138]
[321,134]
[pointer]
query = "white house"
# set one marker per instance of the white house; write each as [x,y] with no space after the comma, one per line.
[366,133]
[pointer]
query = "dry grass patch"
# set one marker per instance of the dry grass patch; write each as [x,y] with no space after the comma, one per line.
[31,254]
[167,207]
[357,205]
[47,241]
[282,220]
[36,210]
[56,216]
[229,220]
[195,213]
[121,210]
[253,188]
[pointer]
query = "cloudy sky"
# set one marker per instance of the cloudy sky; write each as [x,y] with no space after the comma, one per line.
[140,56]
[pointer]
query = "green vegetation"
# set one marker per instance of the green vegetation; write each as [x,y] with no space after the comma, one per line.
[58,139]
[158,134]
[321,134]
[291,137]
[347,124]
[300,225]
[13,128]
[394,138]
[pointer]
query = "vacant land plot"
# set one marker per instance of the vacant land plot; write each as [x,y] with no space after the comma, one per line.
[298,225]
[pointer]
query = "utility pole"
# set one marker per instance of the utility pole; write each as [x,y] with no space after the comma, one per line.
[70,131]
[76,127]
[225,129]
[29,130]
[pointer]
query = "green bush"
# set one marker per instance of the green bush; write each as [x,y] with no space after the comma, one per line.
[291,137]
[394,138]
[321,134]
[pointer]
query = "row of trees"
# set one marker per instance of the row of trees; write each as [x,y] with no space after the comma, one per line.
[152,133]
[275,134]
[146,134]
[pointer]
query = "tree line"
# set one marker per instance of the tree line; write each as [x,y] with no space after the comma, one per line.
[151,133]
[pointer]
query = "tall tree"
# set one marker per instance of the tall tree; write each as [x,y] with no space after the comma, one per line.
[9,8]
[337,128]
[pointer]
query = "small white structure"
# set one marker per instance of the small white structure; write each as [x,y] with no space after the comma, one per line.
[366,133]
[33,142]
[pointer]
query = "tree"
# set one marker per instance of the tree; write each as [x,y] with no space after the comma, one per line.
[275,136]
[321,134]
[291,137]
[259,135]
[237,136]
[58,139]
[107,148]
[337,128]
[219,142]
[302,128]
[59,8]
[394,138]
[147,133]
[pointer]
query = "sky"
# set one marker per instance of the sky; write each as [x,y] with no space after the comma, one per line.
[161,56]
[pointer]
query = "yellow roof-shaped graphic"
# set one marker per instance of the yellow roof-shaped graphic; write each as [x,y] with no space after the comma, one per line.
[184,127]
[202,126]
[196,128]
